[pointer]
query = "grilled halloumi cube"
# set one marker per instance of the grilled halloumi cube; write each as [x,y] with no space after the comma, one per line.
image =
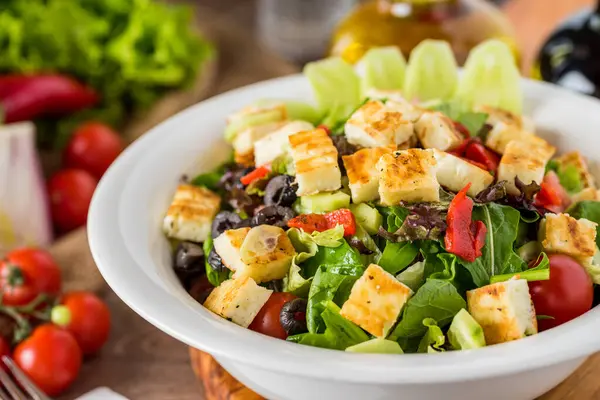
[502,134]
[276,143]
[455,173]
[243,144]
[586,194]
[263,253]
[363,175]
[561,233]
[437,131]
[191,212]
[238,300]
[228,246]
[498,115]
[525,161]
[375,301]
[576,160]
[376,124]
[504,310]
[408,175]
[316,162]
[396,101]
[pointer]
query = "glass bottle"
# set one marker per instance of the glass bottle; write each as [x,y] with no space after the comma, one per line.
[571,55]
[405,23]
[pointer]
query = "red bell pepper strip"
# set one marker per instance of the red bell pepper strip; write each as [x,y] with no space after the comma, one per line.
[475,163]
[310,223]
[459,151]
[41,95]
[478,152]
[462,129]
[255,175]
[552,195]
[464,238]
[325,128]
[10,83]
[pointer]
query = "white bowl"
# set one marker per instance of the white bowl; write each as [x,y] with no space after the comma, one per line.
[133,256]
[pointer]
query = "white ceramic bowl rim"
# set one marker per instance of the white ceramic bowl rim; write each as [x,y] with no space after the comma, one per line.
[189,322]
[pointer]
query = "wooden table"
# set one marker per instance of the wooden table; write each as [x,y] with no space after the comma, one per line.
[141,362]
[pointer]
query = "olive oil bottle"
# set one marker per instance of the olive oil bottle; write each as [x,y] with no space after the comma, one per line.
[571,56]
[405,23]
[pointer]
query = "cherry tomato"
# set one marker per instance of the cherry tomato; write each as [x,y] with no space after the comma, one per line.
[88,320]
[70,192]
[27,272]
[93,147]
[50,357]
[267,320]
[566,295]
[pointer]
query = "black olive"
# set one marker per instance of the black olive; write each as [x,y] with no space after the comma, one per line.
[344,148]
[231,177]
[273,215]
[281,191]
[189,258]
[215,262]
[275,285]
[293,317]
[200,288]
[224,220]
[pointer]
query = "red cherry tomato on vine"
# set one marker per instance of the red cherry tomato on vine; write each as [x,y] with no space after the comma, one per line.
[566,295]
[27,272]
[93,147]
[86,317]
[70,192]
[267,320]
[50,357]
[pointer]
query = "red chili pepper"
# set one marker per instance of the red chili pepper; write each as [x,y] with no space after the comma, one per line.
[325,128]
[552,196]
[310,223]
[478,152]
[459,150]
[464,237]
[255,175]
[39,95]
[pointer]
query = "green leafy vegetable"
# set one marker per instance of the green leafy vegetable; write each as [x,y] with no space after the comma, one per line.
[394,217]
[587,209]
[331,283]
[593,267]
[437,299]
[343,255]
[434,338]
[131,52]
[471,120]
[498,256]
[568,175]
[540,273]
[397,256]
[283,165]
[214,277]
[368,243]
[382,68]
[432,72]
[339,333]
[491,77]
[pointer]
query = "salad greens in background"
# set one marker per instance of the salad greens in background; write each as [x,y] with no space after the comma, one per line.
[407,240]
[130,51]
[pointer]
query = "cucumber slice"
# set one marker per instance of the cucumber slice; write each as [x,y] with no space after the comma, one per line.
[379,346]
[381,68]
[368,217]
[465,333]
[245,119]
[491,78]
[334,83]
[431,73]
[324,202]
[296,110]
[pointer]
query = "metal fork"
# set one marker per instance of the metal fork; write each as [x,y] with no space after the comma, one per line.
[10,387]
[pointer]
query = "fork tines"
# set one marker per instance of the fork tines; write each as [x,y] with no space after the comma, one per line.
[13,384]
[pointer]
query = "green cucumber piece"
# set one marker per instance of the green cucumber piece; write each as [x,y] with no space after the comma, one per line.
[324,202]
[368,217]
[465,333]
[379,346]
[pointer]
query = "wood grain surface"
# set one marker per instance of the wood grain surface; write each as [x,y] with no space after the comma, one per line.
[140,361]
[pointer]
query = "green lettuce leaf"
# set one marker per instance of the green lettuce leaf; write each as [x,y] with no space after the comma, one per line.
[330,283]
[398,256]
[498,255]
[540,273]
[214,277]
[343,255]
[433,340]
[437,299]
[413,276]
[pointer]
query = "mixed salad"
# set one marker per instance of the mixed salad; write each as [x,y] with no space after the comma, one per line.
[411,210]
